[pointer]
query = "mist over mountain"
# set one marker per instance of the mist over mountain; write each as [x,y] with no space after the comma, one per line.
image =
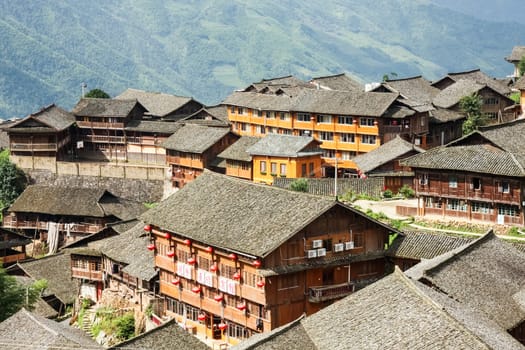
[206,49]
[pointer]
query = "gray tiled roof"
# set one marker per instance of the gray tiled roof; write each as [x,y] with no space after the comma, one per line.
[153,126]
[219,111]
[164,337]
[372,104]
[57,271]
[235,214]
[73,201]
[419,245]
[414,88]
[479,77]
[210,116]
[385,153]
[392,313]
[278,145]
[40,307]
[276,83]
[158,104]
[487,275]
[237,151]
[517,53]
[338,82]
[485,159]
[103,107]
[194,138]
[52,117]
[26,330]
[451,95]
[520,83]
[442,115]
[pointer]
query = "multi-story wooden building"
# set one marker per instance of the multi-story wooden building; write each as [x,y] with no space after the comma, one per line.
[12,247]
[347,123]
[285,156]
[478,177]
[101,123]
[193,148]
[238,160]
[41,138]
[63,214]
[236,258]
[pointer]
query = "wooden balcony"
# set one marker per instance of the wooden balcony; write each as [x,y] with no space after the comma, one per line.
[33,147]
[100,125]
[92,275]
[12,257]
[323,293]
[12,222]
[104,139]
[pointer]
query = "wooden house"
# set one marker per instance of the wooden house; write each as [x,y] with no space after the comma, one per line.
[237,258]
[458,300]
[61,290]
[238,160]
[119,264]
[385,162]
[285,156]
[64,214]
[478,177]
[193,148]
[518,52]
[101,123]
[445,126]
[162,106]
[27,330]
[42,138]
[12,247]
[209,116]
[347,123]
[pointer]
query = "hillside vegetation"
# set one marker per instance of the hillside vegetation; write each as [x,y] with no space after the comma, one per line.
[205,48]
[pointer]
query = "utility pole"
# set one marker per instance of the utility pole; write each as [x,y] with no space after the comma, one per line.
[83,86]
[335,179]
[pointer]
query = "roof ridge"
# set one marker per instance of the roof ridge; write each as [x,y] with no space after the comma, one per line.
[34,319]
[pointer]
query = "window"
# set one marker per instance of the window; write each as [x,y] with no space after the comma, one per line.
[324,119]
[305,133]
[270,115]
[329,153]
[480,207]
[453,181]
[232,109]
[326,136]
[368,139]
[261,129]
[286,131]
[423,179]
[491,101]
[504,187]
[311,169]
[345,120]
[347,155]
[283,170]
[457,205]
[349,138]
[433,203]
[273,167]
[304,117]
[508,210]
[476,183]
[240,110]
[272,130]
[303,170]
[259,113]
[242,127]
[366,121]
[263,167]
[284,116]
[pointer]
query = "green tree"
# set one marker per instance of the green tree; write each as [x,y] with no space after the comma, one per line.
[97,93]
[12,181]
[299,185]
[14,296]
[521,66]
[471,106]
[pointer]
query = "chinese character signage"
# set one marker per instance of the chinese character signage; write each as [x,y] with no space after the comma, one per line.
[227,285]
[184,270]
[204,277]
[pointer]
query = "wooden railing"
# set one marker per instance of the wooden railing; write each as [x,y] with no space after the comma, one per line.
[33,146]
[11,222]
[12,258]
[104,138]
[100,125]
[92,275]
[322,293]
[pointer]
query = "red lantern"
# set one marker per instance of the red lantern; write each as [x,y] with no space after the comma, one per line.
[237,276]
[209,249]
[260,284]
[218,297]
[214,268]
[187,241]
[175,281]
[222,326]
[241,307]
[147,228]
[196,289]
[151,246]
[201,317]
[192,261]
[257,263]
[233,256]
[170,254]
[167,235]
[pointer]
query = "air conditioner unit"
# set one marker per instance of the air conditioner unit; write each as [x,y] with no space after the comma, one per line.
[321,252]
[339,247]
[349,245]
[317,243]
[312,254]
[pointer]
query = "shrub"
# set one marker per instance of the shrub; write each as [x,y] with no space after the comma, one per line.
[125,327]
[407,191]
[388,193]
[299,185]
